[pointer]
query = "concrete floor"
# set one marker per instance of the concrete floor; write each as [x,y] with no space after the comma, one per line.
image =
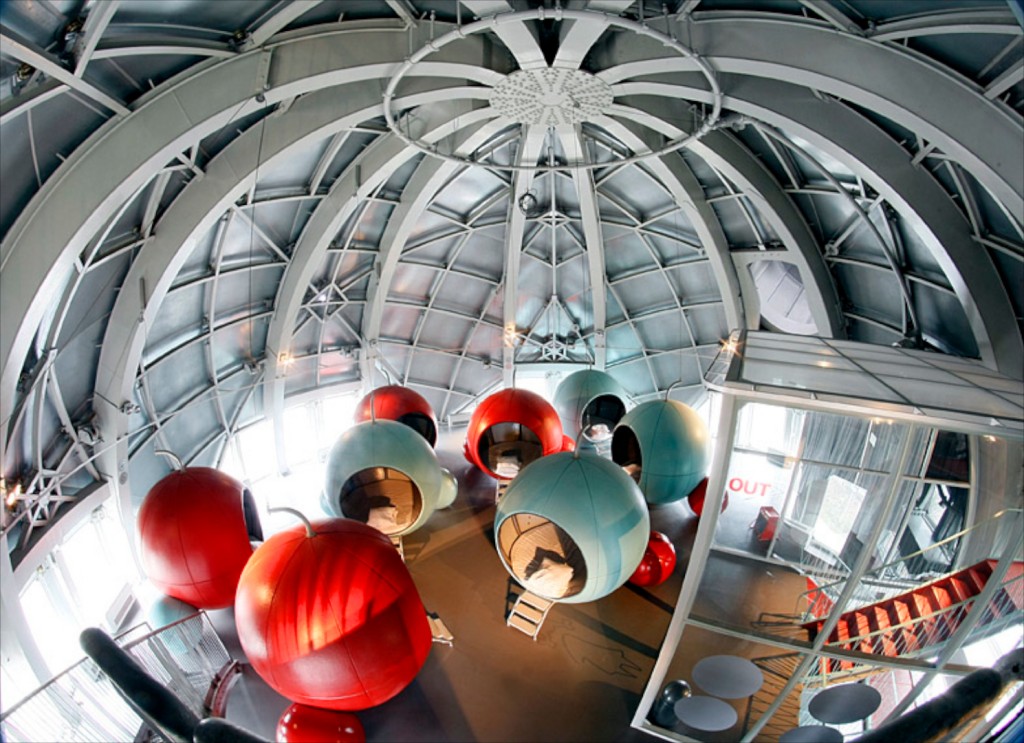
[580,680]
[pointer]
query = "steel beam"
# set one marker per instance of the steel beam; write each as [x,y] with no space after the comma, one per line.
[938,105]
[873,156]
[123,155]
[25,51]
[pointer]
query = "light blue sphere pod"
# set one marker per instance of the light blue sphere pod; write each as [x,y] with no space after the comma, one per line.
[449,488]
[572,528]
[590,400]
[183,637]
[664,444]
[385,474]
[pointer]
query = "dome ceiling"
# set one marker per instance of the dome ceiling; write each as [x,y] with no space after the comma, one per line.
[211,208]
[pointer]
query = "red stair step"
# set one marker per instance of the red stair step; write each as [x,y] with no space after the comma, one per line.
[958,588]
[861,628]
[878,620]
[902,616]
[975,578]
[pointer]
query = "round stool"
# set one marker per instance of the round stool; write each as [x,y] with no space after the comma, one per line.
[812,734]
[839,705]
[705,713]
[727,676]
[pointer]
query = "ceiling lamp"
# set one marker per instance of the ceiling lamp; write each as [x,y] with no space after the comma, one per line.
[553,96]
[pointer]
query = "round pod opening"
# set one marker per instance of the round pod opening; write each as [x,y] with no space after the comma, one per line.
[626,452]
[251,515]
[600,417]
[591,403]
[384,474]
[422,424]
[401,404]
[382,497]
[664,446]
[571,527]
[507,447]
[542,556]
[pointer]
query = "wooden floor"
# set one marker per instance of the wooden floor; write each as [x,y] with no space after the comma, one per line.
[582,678]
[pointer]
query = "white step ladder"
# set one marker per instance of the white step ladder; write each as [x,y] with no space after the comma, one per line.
[528,613]
[396,541]
[439,629]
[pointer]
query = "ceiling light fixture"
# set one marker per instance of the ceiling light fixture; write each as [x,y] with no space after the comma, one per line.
[560,95]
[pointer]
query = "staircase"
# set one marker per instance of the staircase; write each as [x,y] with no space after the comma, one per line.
[920,618]
[777,670]
[528,613]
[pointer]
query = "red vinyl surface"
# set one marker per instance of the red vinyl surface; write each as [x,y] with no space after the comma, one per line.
[301,723]
[696,497]
[393,402]
[333,620]
[658,562]
[193,538]
[514,406]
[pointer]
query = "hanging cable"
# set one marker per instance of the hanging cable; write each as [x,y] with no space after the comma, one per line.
[252,232]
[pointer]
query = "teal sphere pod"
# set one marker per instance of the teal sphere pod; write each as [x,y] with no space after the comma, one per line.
[591,401]
[571,528]
[663,444]
[385,474]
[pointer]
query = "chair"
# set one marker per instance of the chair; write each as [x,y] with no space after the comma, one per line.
[154,703]
[161,709]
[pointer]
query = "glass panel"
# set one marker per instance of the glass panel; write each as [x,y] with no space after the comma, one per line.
[769,428]
[950,458]
[95,560]
[756,488]
[230,463]
[920,446]
[299,435]
[951,397]
[836,439]
[256,444]
[338,413]
[909,371]
[883,445]
[52,626]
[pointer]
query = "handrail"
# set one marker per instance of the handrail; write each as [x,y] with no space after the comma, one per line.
[185,656]
[802,599]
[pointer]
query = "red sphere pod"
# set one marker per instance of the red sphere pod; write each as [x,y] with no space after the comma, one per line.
[512,410]
[332,620]
[397,403]
[696,497]
[568,443]
[303,724]
[193,536]
[658,562]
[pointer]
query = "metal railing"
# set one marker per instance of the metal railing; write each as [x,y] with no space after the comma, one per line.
[82,705]
[891,579]
[928,632]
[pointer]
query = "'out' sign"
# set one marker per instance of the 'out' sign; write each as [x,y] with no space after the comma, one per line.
[750,487]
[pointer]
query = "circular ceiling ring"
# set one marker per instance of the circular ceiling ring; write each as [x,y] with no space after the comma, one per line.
[491,22]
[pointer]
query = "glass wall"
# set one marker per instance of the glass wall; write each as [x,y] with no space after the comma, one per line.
[804,488]
[849,552]
[310,430]
[83,582]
